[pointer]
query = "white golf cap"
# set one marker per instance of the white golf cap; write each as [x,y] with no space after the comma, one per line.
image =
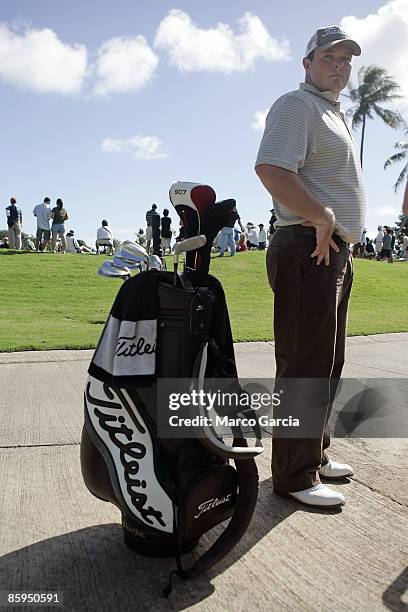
[328,36]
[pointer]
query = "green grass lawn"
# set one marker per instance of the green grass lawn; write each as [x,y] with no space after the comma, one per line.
[58,301]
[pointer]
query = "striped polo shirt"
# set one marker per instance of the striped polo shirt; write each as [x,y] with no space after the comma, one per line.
[305,132]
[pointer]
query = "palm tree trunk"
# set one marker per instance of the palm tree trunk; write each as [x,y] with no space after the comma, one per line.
[362,140]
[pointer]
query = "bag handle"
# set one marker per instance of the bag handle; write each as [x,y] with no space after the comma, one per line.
[209,438]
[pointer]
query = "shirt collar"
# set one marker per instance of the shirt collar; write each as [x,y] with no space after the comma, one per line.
[326,95]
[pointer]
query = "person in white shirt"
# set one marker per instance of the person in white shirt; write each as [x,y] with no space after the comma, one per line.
[43,214]
[261,237]
[104,238]
[73,245]
[379,240]
[404,247]
[253,241]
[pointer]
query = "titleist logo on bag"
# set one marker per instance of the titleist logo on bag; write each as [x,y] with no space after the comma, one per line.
[127,348]
[212,503]
[120,426]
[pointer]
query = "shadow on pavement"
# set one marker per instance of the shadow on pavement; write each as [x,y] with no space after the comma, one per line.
[95,571]
[392,597]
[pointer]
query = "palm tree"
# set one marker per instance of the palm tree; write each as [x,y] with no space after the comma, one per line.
[375,87]
[402,148]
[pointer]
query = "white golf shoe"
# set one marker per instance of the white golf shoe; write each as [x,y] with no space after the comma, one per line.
[319,496]
[333,470]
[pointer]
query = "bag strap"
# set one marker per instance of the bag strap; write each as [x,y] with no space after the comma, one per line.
[248,484]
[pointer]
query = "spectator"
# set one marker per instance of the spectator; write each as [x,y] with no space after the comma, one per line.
[5,243]
[165,232]
[404,247]
[30,246]
[252,240]
[362,243]
[182,232]
[58,215]
[73,245]
[43,214]
[392,240]
[104,238]
[14,222]
[369,249]
[149,232]
[261,237]
[141,237]
[379,240]
[242,243]
[386,252]
[227,237]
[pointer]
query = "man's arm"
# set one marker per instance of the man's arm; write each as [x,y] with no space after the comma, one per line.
[286,187]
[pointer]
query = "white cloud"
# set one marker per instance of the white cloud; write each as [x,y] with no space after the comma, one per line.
[217,49]
[124,64]
[141,147]
[388,210]
[39,60]
[259,118]
[383,37]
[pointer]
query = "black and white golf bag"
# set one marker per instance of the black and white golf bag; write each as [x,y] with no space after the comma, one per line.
[170,491]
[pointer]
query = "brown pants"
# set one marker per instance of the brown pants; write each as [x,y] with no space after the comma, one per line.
[310,314]
[14,236]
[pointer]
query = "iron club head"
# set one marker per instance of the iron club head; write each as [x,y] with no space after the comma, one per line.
[109,269]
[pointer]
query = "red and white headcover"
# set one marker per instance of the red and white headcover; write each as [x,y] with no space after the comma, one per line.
[197,196]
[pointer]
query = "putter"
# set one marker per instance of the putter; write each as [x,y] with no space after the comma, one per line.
[185,246]
[112,271]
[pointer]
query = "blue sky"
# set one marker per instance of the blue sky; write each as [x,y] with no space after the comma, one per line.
[106,104]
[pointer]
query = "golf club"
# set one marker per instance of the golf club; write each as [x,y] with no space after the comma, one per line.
[184,246]
[132,264]
[192,202]
[132,255]
[155,263]
[112,271]
[133,249]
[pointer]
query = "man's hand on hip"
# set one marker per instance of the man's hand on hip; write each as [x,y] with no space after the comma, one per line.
[324,240]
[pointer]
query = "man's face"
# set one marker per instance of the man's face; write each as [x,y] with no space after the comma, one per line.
[330,69]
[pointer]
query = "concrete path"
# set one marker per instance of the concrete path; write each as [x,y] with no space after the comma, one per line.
[55,536]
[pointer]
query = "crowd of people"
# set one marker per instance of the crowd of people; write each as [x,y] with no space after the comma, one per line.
[383,246]
[51,231]
[229,238]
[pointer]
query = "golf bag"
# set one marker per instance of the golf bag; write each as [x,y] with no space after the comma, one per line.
[170,491]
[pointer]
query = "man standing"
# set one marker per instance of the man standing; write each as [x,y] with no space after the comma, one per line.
[14,222]
[261,237]
[308,162]
[227,238]
[149,229]
[379,240]
[165,232]
[43,214]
